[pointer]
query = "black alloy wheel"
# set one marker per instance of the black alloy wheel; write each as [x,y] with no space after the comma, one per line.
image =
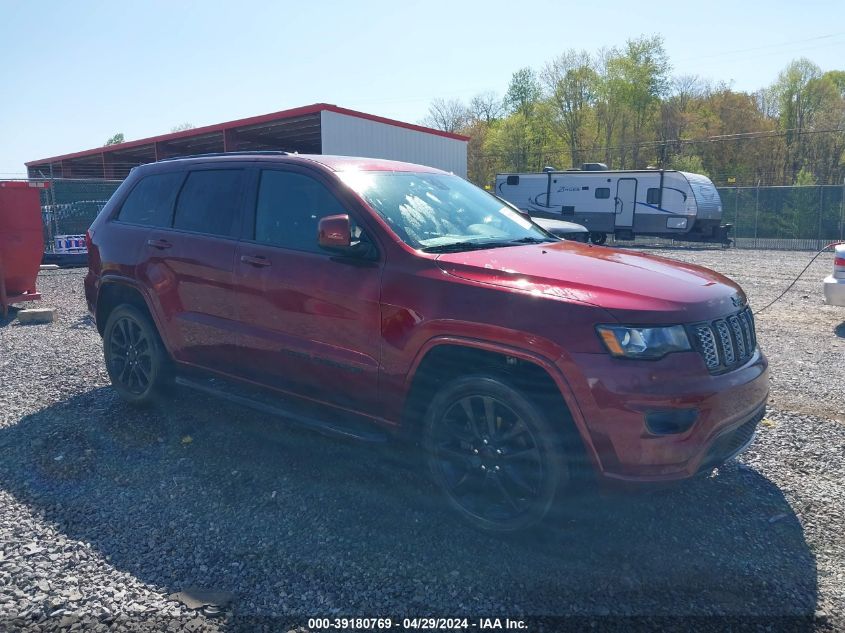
[134,355]
[493,454]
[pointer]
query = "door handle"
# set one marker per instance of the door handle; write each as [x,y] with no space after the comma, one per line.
[255,260]
[159,244]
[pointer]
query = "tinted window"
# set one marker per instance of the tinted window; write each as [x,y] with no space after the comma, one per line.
[289,209]
[652,196]
[151,201]
[602,192]
[210,202]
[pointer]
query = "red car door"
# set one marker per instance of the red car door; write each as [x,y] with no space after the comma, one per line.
[310,318]
[189,268]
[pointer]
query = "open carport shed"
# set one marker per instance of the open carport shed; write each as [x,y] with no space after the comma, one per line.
[320,128]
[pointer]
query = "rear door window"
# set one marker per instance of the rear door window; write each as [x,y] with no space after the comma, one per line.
[289,209]
[150,203]
[210,202]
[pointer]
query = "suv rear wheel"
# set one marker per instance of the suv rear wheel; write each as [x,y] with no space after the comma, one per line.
[493,454]
[136,360]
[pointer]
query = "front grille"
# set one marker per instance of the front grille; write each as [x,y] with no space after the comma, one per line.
[725,343]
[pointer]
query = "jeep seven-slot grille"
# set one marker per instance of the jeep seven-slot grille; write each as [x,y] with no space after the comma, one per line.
[725,343]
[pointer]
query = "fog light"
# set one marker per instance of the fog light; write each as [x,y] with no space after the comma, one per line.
[676,223]
[670,422]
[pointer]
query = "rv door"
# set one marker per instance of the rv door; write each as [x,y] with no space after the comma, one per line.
[626,199]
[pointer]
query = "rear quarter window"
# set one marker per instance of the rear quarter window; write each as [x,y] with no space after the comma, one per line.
[150,203]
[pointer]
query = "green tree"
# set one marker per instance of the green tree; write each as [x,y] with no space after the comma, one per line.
[571,82]
[116,139]
[837,77]
[799,97]
[688,162]
[523,93]
[609,108]
[645,75]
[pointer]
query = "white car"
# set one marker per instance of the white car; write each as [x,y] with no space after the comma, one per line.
[834,286]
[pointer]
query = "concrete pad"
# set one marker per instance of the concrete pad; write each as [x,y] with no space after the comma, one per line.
[38,315]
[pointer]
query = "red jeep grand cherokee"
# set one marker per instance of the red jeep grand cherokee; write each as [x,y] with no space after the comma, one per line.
[393,297]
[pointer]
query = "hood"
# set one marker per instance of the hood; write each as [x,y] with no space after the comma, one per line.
[635,288]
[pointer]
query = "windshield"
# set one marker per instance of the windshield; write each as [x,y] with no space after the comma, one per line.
[439,212]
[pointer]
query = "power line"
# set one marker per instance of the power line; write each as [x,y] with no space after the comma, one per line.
[739,136]
[763,47]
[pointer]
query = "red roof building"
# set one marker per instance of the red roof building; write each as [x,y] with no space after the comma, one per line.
[320,128]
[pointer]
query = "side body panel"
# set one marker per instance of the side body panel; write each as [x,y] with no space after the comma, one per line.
[193,284]
[309,318]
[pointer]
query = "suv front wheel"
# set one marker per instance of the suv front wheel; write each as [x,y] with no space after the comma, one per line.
[136,360]
[493,454]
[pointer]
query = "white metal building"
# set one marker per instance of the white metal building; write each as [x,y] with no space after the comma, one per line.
[320,128]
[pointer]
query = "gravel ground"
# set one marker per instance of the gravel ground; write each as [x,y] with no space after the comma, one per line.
[106,511]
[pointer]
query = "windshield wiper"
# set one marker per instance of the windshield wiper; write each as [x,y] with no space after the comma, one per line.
[533,240]
[455,247]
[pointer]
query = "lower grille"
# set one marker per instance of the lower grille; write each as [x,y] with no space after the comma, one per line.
[727,445]
[725,343]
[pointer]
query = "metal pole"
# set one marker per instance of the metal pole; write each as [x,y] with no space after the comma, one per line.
[821,211]
[756,212]
[54,223]
[736,210]
[842,213]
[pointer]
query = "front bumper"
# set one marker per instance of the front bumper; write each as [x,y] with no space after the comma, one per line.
[834,291]
[615,397]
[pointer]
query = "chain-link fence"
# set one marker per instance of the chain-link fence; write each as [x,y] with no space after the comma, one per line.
[68,207]
[763,217]
[784,217]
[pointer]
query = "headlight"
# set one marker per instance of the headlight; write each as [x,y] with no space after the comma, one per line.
[643,342]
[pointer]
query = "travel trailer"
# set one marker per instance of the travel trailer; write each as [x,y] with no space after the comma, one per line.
[623,203]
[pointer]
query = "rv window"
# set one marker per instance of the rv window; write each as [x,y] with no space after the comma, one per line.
[513,180]
[652,196]
[602,192]
[567,210]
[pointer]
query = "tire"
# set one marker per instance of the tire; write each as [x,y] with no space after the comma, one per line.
[136,360]
[598,237]
[493,455]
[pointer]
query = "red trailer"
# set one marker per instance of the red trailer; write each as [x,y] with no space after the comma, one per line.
[21,241]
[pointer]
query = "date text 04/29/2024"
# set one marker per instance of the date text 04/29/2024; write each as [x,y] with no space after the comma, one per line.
[416,624]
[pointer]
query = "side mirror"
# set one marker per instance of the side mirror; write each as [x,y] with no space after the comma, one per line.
[334,233]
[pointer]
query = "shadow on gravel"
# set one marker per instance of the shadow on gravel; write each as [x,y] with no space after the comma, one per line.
[202,493]
[10,316]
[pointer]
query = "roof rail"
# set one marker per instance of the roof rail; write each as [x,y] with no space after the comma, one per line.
[239,153]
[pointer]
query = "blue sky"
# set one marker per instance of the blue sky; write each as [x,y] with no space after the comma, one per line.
[74,73]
